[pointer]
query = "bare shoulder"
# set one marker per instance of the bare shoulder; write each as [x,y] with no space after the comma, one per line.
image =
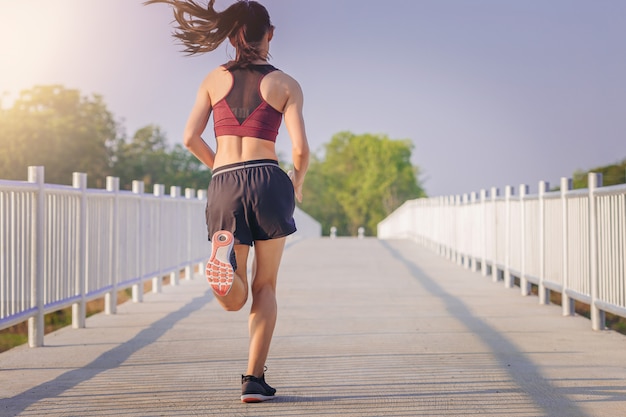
[286,82]
[217,75]
[217,83]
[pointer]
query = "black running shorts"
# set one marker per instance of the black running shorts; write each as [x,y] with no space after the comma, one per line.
[254,200]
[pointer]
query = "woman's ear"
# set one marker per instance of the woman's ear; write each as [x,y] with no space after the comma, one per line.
[270,33]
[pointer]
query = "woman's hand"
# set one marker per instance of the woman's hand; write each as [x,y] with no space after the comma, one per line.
[297,188]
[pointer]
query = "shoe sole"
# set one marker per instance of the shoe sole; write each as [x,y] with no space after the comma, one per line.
[219,272]
[255,398]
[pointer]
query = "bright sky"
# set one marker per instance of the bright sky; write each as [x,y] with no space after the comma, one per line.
[491,92]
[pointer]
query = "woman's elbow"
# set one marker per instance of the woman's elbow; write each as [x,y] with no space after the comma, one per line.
[301,151]
[188,140]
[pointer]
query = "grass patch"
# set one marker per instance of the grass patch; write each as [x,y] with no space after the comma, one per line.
[11,337]
[613,322]
[18,335]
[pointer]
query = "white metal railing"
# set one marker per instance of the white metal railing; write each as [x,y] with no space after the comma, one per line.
[569,241]
[62,246]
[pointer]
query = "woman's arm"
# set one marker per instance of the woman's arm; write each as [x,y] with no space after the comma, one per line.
[196,123]
[294,121]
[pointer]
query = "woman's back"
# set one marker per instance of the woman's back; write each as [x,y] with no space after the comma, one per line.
[246,127]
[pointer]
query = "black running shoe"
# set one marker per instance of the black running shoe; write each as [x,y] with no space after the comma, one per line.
[255,390]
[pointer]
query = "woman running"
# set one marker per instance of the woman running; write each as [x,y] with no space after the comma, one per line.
[251,200]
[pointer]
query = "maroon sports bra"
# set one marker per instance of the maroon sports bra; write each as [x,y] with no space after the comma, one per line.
[244,112]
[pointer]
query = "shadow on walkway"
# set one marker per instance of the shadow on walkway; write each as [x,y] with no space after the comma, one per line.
[522,370]
[108,360]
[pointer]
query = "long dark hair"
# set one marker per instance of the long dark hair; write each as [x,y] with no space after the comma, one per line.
[202,29]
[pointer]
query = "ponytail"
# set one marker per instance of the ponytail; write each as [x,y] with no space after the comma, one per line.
[203,29]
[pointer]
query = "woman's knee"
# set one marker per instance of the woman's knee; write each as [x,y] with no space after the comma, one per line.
[237,297]
[234,305]
[264,288]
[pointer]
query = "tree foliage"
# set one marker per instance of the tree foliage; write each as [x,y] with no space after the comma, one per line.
[361,180]
[143,158]
[66,132]
[611,175]
[147,157]
[59,129]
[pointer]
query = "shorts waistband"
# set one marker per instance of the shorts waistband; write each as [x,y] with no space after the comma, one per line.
[245,164]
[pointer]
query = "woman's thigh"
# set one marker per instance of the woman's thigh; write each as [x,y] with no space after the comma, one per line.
[267,256]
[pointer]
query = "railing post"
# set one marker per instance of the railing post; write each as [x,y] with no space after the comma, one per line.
[174,275]
[474,220]
[523,281]
[138,189]
[446,225]
[598,319]
[494,244]
[462,228]
[451,232]
[483,232]
[432,206]
[508,278]
[456,256]
[79,309]
[190,194]
[158,191]
[36,323]
[567,303]
[444,215]
[110,298]
[544,293]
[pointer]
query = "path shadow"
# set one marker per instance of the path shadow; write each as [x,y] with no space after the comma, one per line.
[108,360]
[525,373]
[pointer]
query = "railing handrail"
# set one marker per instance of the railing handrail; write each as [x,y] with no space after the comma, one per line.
[54,237]
[567,241]
[63,245]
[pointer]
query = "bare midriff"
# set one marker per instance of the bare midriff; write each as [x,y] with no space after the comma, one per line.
[234,149]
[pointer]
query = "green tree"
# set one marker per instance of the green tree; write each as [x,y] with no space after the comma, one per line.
[147,157]
[143,158]
[59,129]
[185,170]
[611,175]
[319,201]
[361,180]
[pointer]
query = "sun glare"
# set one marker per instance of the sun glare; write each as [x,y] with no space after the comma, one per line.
[32,36]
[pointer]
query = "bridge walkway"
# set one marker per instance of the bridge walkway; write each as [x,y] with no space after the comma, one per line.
[366,328]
